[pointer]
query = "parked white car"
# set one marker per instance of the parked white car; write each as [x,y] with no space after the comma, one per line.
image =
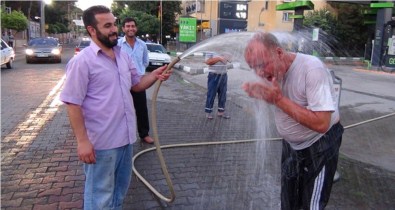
[7,54]
[157,55]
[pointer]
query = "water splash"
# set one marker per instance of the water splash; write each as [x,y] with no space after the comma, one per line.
[260,177]
[233,43]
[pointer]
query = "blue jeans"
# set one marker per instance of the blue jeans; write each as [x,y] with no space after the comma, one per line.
[216,83]
[107,181]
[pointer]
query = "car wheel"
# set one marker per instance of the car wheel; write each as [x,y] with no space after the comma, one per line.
[59,60]
[9,64]
[28,61]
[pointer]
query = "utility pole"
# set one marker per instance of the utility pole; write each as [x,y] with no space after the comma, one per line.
[161,18]
[42,19]
[201,22]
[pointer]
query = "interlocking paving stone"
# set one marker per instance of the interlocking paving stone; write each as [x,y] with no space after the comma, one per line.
[40,167]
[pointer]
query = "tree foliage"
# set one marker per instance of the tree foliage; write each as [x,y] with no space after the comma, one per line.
[55,13]
[16,20]
[351,31]
[346,34]
[147,24]
[169,11]
[57,28]
[31,9]
[56,17]
[322,19]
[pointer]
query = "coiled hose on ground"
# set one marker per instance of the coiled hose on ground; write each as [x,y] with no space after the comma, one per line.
[159,148]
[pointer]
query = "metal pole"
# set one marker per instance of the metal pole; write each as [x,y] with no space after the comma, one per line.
[161,18]
[42,19]
[211,29]
[196,14]
[201,21]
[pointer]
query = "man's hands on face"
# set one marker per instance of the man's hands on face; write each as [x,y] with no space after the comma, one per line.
[271,92]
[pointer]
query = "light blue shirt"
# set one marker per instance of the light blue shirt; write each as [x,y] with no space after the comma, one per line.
[101,86]
[139,53]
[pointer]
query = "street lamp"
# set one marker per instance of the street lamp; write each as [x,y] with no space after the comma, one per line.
[42,19]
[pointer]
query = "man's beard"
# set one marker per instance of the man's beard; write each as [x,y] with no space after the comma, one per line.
[105,40]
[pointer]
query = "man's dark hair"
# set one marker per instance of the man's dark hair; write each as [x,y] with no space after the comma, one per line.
[89,15]
[127,20]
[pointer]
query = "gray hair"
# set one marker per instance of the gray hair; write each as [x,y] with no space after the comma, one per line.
[267,39]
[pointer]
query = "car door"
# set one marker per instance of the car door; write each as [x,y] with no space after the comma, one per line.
[3,52]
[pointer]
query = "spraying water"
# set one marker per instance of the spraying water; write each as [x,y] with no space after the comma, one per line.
[261,183]
[260,176]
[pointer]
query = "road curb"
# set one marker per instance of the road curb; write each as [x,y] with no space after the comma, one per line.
[199,70]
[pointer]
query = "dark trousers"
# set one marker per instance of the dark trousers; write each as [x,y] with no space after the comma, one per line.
[140,105]
[216,84]
[307,175]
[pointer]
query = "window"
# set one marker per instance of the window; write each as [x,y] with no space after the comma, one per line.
[156,48]
[286,16]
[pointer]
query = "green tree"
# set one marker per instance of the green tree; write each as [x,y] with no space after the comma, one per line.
[57,16]
[16,20]
[170,9]
[30,8]
[53,29]
[57,28]
[351,31]
[149,7]
[345,34]
[326,22]
[147,24]
[322,19]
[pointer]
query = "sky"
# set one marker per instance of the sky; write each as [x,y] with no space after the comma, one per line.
[85,4]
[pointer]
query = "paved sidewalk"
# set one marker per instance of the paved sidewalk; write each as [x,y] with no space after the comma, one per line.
[40,169]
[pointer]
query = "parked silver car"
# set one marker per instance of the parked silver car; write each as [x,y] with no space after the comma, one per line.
[43,49]
[7,54]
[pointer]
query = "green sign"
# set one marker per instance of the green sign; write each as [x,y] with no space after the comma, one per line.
[187,30]
[390,61]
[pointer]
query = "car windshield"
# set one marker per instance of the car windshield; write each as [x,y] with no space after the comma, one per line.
[156,48]
[84,43]
[45,42]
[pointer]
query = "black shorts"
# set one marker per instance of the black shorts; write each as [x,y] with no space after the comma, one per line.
[307,175]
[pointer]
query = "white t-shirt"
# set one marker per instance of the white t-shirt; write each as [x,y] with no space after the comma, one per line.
[309,84]
[219,67]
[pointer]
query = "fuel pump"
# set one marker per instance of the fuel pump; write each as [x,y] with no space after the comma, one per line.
[388,55]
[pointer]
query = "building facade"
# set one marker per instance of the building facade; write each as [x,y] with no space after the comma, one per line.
[216,17]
